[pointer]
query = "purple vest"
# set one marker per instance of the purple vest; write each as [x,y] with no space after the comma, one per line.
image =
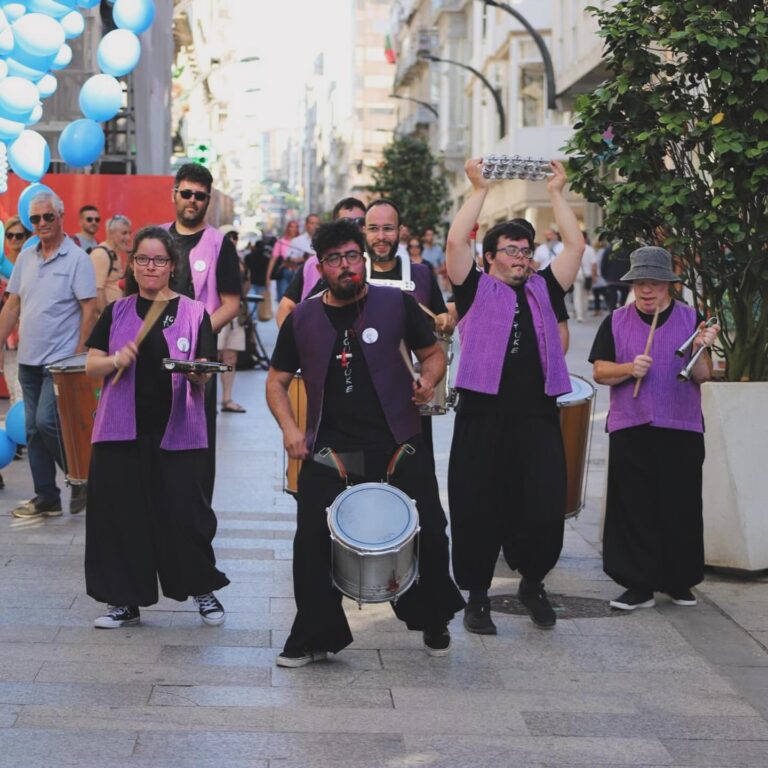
[421,276]
[485,331]
[663,401]
[311,276]
[205,254]
[116,412]
[315,339]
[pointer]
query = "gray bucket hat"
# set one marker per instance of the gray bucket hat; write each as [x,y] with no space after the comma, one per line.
[651,263]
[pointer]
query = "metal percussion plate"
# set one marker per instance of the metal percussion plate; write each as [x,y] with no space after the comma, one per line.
[71,364]
[373,516]
[581,391]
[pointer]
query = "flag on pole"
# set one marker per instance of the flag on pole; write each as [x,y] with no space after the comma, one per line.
[389,51]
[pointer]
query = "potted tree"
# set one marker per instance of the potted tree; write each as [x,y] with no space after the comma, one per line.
[674,147]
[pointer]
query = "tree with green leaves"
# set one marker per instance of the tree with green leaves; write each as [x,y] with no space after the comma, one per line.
[674,147]
[410,176]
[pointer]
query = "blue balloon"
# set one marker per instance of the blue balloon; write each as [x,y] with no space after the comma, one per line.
[81,143]
[32,242]
[6,267]
[101,97]
[10,129]
[87,3]
[22,207]
[38,34]
[18,98]
[7,449]
[134,15]
[29,156]
[73,25]
[118,53]
[15,424]
[13,10]
[55,8]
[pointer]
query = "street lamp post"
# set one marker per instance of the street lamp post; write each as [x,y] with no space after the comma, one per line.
[424,104]
[484,80]
[540,44]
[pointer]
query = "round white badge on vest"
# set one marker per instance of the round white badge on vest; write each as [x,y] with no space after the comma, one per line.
[183,344]
[199,266]
[370,335]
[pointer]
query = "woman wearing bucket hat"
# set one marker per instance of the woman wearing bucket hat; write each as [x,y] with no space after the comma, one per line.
[653,536]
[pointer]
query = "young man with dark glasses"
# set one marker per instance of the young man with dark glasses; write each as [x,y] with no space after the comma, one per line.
[89,225]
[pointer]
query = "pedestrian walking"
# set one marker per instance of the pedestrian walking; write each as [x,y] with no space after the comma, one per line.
[108,260]
[282,266]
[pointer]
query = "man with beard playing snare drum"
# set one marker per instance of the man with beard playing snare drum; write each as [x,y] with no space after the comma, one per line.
[362,410]
[506,478]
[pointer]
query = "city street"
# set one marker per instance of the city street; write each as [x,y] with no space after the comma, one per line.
[668,686]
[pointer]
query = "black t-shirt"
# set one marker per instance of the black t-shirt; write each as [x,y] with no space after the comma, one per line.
[353,418]
[604,345]
[436,301]
[521,390]
[153,382]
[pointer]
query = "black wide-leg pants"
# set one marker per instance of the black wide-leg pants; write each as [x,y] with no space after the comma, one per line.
[148,517]
[320,623]
[654,532]
[506,490]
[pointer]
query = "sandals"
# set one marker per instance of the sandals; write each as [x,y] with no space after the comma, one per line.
[230,406]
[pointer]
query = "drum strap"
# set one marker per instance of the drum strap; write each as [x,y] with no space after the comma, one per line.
[406,449]
[330,458]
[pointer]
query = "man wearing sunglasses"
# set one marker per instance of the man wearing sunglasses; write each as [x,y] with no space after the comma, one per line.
[89,225]
[52,291]
[306,280]
[506,477]
[362,410]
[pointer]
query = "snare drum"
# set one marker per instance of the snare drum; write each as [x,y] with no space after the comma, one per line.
[374,528]
[439,404]
[77,396]
[576,410]
[297,394]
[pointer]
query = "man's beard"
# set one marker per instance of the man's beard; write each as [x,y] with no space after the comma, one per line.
[348,291]
[192,221]
[383,259]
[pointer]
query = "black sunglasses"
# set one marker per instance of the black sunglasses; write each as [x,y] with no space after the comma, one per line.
[35,218]
[91,219]
[358,221]
[15,235]
[188,194]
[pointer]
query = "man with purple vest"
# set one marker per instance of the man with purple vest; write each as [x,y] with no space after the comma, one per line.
[653,539]
[506,478]
[208,271]
[362,413]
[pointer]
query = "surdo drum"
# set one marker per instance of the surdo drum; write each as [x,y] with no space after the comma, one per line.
[374,553]
[576,410]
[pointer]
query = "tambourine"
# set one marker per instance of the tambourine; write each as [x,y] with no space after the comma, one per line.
[194,366]
[504,167]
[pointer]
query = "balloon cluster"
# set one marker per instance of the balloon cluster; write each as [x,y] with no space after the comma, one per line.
[33,45]
[14,434]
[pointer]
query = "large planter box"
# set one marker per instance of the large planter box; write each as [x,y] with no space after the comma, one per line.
[736,475]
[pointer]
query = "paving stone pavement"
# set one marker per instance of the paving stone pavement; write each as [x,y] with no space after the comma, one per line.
[675,687]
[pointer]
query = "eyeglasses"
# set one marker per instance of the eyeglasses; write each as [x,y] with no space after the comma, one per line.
[92,219]
[188,194]
[513,250]
[35,218]
[158,261]
[351,257]
[387,229]
[358,221]
[15,235]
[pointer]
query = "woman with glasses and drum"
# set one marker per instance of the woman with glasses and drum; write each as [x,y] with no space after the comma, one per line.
[107,260]
[147,513]
[653,537]
[351,344]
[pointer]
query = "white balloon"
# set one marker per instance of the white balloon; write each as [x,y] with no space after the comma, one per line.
[36,116]
[73,25]
[118,52]
[3,69]
[6,41]
[55,8]
[14,11]
[38,34]
[10,129]
[22,70]
[63,57]
[47,86]
[29,156]
[18,97]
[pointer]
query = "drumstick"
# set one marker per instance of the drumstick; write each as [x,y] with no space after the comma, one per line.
[407,360]
[648,344]
[428,311]
[152,316]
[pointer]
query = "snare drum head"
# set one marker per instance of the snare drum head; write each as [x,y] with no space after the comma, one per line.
[581,391]
[72,364]
[372,516]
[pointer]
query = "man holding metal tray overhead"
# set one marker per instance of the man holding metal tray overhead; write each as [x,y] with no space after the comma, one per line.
[353,344]
[507,476]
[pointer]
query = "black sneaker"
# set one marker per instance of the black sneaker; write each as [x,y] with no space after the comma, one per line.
[633,598]
[211,610]
[37,507]
[78,499]
[683,597]
[293,659]
[437,643]
[534,598]
[477,618]
[117,616]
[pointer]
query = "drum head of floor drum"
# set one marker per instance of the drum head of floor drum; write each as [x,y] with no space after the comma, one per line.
[372,516]
[73,363]
[581,390]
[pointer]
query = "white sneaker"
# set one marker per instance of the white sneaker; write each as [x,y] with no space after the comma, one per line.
[291,661]
[211,610]
[117,616]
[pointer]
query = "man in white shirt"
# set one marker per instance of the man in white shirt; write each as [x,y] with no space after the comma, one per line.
[546,252]
[301,246]
[584,279]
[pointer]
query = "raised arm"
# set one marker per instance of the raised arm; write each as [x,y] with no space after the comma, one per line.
[568,262]
[459,249]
